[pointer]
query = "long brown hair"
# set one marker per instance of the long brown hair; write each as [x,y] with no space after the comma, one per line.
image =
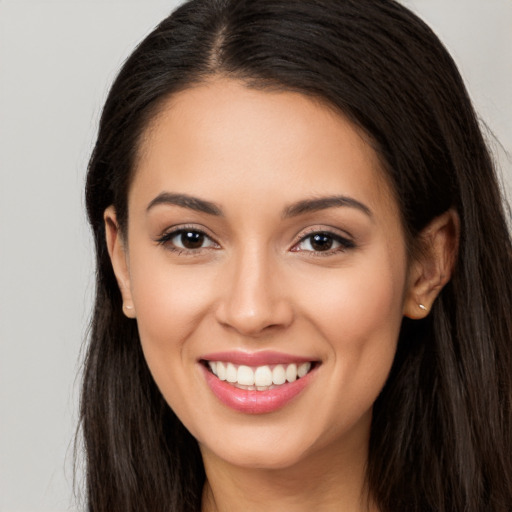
[441,437]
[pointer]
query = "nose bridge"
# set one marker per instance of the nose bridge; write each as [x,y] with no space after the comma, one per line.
[253,300]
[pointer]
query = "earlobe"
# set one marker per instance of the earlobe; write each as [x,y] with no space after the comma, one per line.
[119,258]
[433,264]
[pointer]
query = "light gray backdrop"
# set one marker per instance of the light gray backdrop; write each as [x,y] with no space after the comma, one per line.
[57,59]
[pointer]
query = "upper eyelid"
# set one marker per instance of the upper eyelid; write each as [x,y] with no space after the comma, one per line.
[330,230]
[178,228]
[342,236]
[171,231]
[166,237]
[342,240]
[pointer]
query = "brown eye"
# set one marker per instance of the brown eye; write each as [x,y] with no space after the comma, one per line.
[323,241]
[192,239]
[187,240]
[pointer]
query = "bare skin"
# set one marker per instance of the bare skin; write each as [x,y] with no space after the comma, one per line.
[328,484]
[262,221]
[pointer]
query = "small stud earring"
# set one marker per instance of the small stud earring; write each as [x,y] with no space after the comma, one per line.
[421,306]
[127,307]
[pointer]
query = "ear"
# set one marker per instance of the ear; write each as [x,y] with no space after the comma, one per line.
[433,264]
[119,258]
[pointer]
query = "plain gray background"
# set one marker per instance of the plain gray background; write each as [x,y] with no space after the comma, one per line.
[57,59]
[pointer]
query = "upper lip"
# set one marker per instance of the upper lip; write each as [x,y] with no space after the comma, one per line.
[265,357]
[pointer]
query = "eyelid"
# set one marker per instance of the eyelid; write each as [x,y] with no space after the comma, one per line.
[337,232]
[170,232]
[184,227]
[344,238]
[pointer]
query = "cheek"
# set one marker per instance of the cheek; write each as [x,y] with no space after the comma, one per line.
[359,301]
[359,314]
[169,302]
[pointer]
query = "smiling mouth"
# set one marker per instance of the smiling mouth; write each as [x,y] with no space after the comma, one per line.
[258,378]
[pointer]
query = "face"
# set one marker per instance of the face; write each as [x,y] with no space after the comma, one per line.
[266,266]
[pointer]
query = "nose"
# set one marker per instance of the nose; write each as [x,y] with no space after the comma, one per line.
[254,298]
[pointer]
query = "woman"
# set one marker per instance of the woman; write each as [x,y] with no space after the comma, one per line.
[303,288]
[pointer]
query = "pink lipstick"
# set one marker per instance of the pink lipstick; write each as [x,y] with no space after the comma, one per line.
[256,383]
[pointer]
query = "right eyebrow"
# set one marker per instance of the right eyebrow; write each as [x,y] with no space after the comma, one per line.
[186,201]
[323,203]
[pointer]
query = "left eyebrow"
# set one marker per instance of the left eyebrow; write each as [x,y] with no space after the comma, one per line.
[322,203]
[186,201]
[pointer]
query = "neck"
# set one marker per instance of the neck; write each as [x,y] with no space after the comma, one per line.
[329,481]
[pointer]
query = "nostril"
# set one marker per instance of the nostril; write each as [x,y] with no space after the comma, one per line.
[254,320]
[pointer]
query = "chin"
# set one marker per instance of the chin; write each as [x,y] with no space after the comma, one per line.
[285,445]
[257,455]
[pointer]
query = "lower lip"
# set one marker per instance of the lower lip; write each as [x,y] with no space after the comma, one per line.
[253,401]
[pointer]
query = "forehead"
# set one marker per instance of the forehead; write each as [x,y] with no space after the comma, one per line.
[223,135]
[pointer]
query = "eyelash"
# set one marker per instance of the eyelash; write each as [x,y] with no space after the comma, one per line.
[166,240]
[345,244]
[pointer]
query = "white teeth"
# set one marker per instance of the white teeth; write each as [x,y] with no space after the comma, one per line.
[261,377]
[303,369]
[221,371]
[279,375]
[231,373]
[245,376]
[291,372]
[249,388]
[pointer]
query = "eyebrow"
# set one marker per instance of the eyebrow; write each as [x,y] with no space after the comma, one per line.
[186,201]
[293,210]
[322,203]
